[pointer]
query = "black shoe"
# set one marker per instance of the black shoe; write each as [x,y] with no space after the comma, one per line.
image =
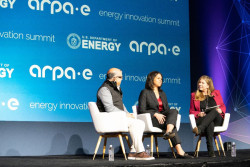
[168,135]
[185,156]
[196,131]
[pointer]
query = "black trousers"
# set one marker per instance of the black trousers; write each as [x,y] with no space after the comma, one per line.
[207,124]
[171,117]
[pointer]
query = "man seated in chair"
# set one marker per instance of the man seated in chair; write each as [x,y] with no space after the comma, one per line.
[109,99]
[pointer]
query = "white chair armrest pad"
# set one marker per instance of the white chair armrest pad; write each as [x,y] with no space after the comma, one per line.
[146,118]
[178,122]
[192,120]
[225,124]
[111,122]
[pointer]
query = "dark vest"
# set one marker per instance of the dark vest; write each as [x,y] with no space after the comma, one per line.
[116,96]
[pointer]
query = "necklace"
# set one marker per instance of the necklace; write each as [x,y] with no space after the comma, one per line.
[206,101]
[157,94]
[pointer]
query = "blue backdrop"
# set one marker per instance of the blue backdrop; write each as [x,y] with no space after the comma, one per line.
[54,54]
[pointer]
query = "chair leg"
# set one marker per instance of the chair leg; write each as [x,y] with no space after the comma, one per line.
[156,146]
[129,145]
[104,147]
[97,146]
[221,144]
[196,154]
[152,145]
[171,146]
[196,148]
[122,145]
[216,143]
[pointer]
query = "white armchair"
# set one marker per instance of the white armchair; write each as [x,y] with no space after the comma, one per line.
[217,131]
[109,125]
[154,132]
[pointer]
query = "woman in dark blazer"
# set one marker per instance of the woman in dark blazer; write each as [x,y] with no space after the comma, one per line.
[154,101]
[206,96]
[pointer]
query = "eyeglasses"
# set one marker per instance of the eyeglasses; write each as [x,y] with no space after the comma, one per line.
[119,77]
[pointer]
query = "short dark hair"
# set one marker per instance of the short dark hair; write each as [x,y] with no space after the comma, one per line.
[150,80]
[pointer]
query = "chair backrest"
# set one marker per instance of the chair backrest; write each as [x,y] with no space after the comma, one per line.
[105,122]
[94,112]
[226,121]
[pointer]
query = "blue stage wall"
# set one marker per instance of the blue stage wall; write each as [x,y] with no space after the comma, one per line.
[210,21]
[55,54]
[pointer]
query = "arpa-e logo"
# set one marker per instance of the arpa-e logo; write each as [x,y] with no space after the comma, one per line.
[12,104]
[5,71]
[57,6]
[152,48]
[58,72]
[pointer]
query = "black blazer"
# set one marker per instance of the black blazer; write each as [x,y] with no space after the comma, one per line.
[148,102]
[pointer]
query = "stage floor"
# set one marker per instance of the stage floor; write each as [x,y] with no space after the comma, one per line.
[166,159]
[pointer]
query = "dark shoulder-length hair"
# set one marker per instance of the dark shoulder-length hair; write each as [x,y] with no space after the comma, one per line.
[150,80]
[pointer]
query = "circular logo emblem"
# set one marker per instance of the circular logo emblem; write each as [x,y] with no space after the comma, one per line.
[73,41]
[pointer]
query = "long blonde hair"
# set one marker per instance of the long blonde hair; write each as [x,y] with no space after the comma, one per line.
[198,94]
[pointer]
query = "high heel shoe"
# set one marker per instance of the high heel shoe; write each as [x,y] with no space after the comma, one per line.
[196,131]
[168,135]
[185,156]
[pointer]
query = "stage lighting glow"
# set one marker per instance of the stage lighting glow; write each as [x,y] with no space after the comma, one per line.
[233,54]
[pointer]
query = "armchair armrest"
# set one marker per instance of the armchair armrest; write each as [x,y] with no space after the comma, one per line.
[192,120]
[178,122]
[225,124]
[134,109]
[146,118]
[111,122]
